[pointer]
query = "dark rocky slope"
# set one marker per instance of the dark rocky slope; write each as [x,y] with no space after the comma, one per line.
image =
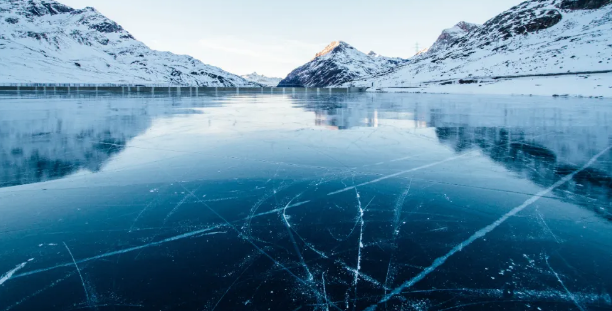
[339,63]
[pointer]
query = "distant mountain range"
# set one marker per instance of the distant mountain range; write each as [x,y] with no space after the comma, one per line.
[261,79]
[536,37]
[337,64]
[48,42]
[45,41]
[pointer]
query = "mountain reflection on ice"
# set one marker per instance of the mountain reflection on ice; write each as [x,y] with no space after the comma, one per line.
[229,201]
[49,138]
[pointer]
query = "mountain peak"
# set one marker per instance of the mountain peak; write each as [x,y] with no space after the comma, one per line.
[467,27]
[332,47]
[35,8]
[451,35]
[337,64]
[91,9]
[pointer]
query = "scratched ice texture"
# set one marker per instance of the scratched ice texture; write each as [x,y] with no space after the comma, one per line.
[246,201]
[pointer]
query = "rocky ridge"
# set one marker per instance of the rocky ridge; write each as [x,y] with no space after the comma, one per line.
[337,64]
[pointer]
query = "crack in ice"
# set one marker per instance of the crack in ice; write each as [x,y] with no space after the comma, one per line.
[232,285]
[38,292]
[547,228]
[361,224]
[362,275]
[484,231]
[80,275]
[297,250]
[176,207]
[390,277]
[325,292]
[140,214]
[118,252]
[401,173]
[316,292]
[571,296]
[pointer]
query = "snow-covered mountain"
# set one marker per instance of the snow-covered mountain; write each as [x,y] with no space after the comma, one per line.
[261,79]
[450,36]
[339,63]
[536,37]
[47,42]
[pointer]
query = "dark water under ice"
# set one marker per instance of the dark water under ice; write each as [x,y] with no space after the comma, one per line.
[303,202]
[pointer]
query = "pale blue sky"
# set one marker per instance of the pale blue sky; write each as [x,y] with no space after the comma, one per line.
[273,37]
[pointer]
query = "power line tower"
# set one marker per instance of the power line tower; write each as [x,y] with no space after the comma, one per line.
[416,48]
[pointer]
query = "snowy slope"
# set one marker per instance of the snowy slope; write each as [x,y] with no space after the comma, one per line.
[339,63]
[581,85]
[261,79]
[537,37]
[47,42]
[450,36]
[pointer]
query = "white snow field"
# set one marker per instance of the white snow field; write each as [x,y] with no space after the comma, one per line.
[584,85]
[533,38]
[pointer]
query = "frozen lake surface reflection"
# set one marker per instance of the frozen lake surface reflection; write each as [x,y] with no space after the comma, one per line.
[227,201]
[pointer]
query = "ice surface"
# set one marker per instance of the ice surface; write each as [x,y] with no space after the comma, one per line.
[228,201]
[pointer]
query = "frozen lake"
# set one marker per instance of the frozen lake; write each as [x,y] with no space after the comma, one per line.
[290,202]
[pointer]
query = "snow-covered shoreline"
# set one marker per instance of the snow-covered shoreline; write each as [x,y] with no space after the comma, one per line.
[582,85]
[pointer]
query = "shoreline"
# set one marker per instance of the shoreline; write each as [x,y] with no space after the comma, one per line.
[580,86]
